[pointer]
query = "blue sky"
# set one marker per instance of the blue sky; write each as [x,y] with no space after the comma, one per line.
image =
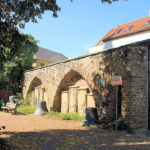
[83,23]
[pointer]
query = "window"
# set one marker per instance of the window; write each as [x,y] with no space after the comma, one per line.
[117,31]
[147,23]
[128,28]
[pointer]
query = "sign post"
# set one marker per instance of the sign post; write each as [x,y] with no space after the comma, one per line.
[117,89]
[116,80]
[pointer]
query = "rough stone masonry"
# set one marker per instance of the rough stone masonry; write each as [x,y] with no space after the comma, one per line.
[131,62]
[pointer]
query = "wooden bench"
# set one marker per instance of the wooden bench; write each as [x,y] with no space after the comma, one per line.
[10,107]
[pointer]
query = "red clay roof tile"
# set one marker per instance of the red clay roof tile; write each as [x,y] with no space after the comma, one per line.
[138,25]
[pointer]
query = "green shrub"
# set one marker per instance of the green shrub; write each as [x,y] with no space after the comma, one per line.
[52,114]
[65,116]
[25,105]
[71,116]
[26,109]
[122,125]
[3,103]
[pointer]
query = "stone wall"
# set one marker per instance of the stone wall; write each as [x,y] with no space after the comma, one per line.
[130,62]
[76,99]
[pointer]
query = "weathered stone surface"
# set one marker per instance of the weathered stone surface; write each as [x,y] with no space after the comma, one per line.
[82,101]
[73,90]
[41,90]
[90,100]
[130,62]
[36,94]
[65,101]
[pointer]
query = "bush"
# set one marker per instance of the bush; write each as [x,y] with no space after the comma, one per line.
[122,125]
[22,102]
[26,109]
[71,116]
[52,114]
[3,103]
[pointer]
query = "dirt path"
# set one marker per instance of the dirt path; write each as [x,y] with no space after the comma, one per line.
[27,123]
[30,132]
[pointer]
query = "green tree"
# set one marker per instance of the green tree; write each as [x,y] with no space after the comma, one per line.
[14,13]
[11,75]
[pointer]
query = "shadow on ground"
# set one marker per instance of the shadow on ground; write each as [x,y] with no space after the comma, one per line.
[92,139]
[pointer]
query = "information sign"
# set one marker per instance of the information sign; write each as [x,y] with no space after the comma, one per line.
[116,80]
[101,81]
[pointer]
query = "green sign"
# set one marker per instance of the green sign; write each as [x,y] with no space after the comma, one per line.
[101,81]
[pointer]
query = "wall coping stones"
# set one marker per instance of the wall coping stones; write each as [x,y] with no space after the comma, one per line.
[87,55]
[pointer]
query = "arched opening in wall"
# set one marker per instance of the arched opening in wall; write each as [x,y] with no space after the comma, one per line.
[67,95]
[35,91]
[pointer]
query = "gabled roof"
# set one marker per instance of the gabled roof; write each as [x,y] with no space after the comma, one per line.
[134,27]
[48,55]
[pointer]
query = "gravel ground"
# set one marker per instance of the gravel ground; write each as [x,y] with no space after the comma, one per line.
[30,132]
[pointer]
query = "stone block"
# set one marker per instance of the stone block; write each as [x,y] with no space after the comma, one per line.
[64,102]
[36,90]
[82,101]
[73,91]
[41,94]
[90,100]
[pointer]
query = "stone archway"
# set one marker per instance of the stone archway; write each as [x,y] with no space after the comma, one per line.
[72,85]
[34,83]
[35,91]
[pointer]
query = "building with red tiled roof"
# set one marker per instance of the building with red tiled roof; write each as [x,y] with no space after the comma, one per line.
[128,33]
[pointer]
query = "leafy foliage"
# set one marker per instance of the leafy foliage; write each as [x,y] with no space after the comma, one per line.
[26,109]
[108,1]
[71,116]
[11,74]
[122,125]
[14,13]
[3,103]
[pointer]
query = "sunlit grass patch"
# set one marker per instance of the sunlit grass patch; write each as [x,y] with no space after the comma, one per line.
[52,114]
[71,116]
[26,109]
[65,116]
